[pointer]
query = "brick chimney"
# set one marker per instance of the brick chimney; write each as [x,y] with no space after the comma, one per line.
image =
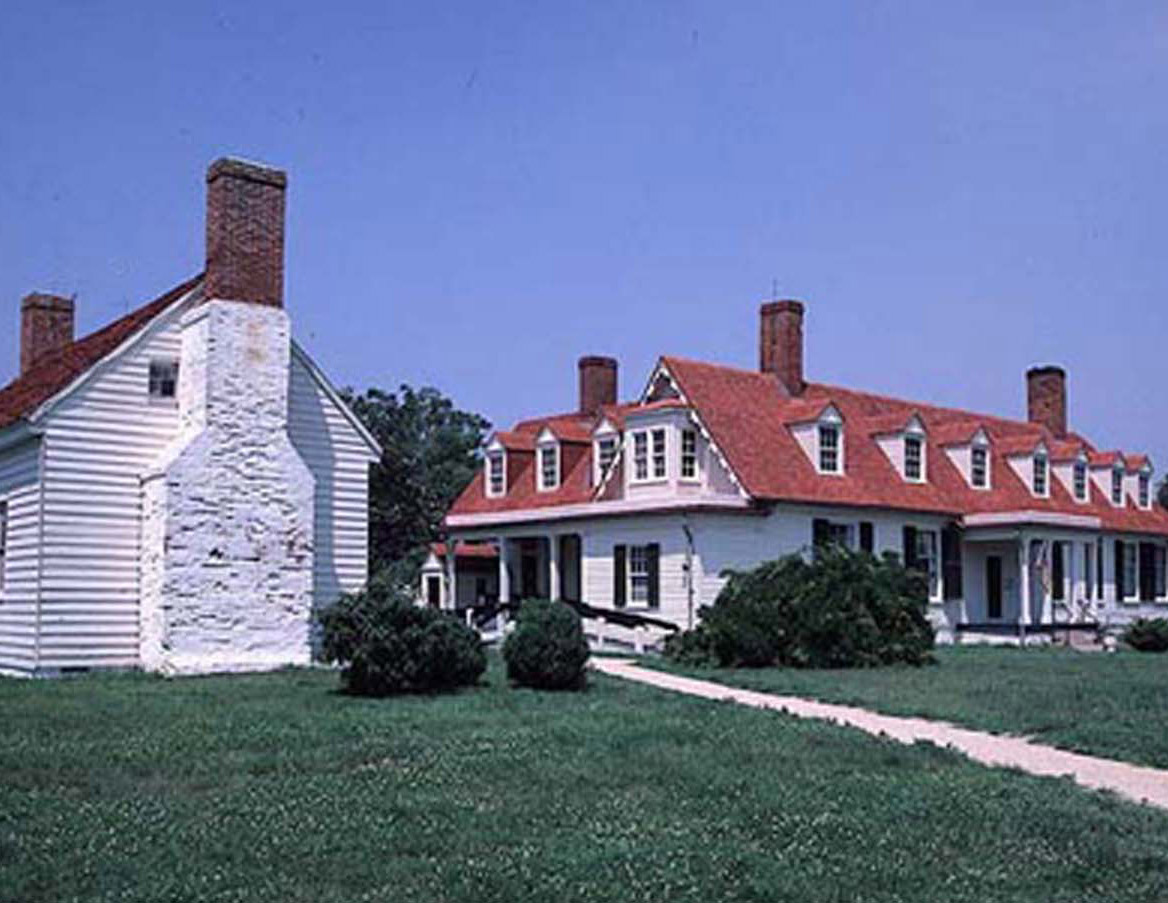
[598,385]
[245,232]
[1046,398]
[46,326]
[780,343]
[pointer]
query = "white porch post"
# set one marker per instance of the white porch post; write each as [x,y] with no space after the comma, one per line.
[1046,585]
[451,573]
[1023,582]
[555,571]
[504,574]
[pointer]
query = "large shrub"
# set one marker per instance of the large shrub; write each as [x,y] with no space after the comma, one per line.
[843,609]
[547,649]
[387,645]
[1147,634]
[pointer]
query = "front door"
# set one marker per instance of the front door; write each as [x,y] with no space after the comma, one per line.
[529,576]
[993,587]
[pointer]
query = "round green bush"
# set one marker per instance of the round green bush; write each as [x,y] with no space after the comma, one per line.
[1147,635]
[387,645]
[547,649]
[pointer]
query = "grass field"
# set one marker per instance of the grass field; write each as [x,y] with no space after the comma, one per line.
[1107,705]
[274,788]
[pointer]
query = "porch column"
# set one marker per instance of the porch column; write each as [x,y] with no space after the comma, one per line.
[555,571]
[1023,582]
[451,573]
[1046,585]
[504,575]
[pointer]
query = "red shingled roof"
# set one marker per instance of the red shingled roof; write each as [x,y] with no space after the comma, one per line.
[750,418]
[26,393]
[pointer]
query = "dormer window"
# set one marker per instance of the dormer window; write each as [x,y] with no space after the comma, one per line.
[163,384]
[605,455]
[689,454]
[1041,481]
[640,456]
[829,448]
[496,474]
[1079,479]
[549,467]
[979,467]
[659,453]
[1117,486]
[914,466]
[1145,491]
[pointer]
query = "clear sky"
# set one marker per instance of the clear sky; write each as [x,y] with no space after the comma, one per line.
[480,192]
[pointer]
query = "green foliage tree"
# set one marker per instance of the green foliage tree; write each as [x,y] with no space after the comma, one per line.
[430,451]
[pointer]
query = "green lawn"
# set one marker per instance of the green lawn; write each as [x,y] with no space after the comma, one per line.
[274,788]
[1107,705]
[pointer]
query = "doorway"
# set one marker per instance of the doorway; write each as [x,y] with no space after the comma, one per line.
[993,587]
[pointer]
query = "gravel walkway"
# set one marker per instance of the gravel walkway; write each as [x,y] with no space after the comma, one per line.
[1135,782]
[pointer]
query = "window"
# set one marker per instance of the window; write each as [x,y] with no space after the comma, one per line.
[825,533]
[1116,486]
[829,452]
[912,458]
[1145,491]
[639,575]
[1080,480]
[659,454]
[549,467]
[496,474]
[640,455]
[1131,585]
[1040,474]
[636,575]
[3,540]
[605,455]
[1160,559]
[164,380]
[927,559]
[689,455]
[979,468]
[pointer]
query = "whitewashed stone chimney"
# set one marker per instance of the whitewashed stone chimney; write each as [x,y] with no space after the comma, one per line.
[227,545]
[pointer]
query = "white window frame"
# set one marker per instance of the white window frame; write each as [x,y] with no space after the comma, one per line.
[688,456]
[638,576]
[499,457]
[659,453]
[1131,588]
[1079,469]
[1144,490]
[984,451]
[823,429]
[547,484]
[602,467]
[639,440]
[3,543]
[155,382]
[929,551]
[1040,462]
[1117,487]
[919,441]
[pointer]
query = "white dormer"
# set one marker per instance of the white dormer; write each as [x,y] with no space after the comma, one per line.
[547,461]
[1143,486]
[605,443]
[970,454]
[495,481]
[1117,474]
[829,441]
[1040,472]
[906,448]
[980,475]
[1080,487]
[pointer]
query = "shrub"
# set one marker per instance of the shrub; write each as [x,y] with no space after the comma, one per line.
[842,610]
[387,645]
[1147,635]
[547,649]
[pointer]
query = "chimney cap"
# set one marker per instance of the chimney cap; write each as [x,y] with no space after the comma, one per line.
[789,305]
[1046,370]
[47,301]
[247,170]
[597,360]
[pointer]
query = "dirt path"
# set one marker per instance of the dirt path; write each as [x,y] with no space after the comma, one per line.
[1135,782]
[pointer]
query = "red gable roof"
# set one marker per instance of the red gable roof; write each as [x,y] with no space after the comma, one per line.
[26,393]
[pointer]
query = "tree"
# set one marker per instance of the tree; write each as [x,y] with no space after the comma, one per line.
[430,451]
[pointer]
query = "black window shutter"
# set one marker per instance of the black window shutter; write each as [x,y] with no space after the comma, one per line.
[619,576]
[867,543]
[820,532]
[1147,572]
[653,560]
[1120,589]
[910,547]
[951,575]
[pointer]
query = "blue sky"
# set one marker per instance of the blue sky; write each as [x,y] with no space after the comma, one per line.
[481,192]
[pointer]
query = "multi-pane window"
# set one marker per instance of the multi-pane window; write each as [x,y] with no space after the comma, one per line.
[605,454]
[163,379]
[659,454]
[1160,561]
[927,560]
[1039,475]
[496,479]
[640,455]
[549,466]
[1145,490]
[979,468]
[639,575]
[829,456]
[1131,586]
[1080,480]
[912,458]
[689,455]
[3,540]
[1116,486]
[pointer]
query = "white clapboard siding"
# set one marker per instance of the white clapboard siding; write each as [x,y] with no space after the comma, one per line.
[339,459]
[99,440]
[20,489]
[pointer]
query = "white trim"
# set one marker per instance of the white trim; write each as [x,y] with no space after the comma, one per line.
[592,509]
[495,451]
[1049,518]
[317,374]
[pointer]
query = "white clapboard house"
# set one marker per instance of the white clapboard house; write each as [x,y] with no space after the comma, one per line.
[1021,525]
[181,488]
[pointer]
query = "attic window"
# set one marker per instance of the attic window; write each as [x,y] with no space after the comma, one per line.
[1145,491]
[829,448]
[979,469]
[1040,483]
[549,467]
[496,474]
[1080,480]
[1116,486]
[605,455]
[913,459]
[163,379]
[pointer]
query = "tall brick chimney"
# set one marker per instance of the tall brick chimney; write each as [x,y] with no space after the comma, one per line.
[245,232]
[598,385]
[46,326]
[1046,398]
[780,343]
